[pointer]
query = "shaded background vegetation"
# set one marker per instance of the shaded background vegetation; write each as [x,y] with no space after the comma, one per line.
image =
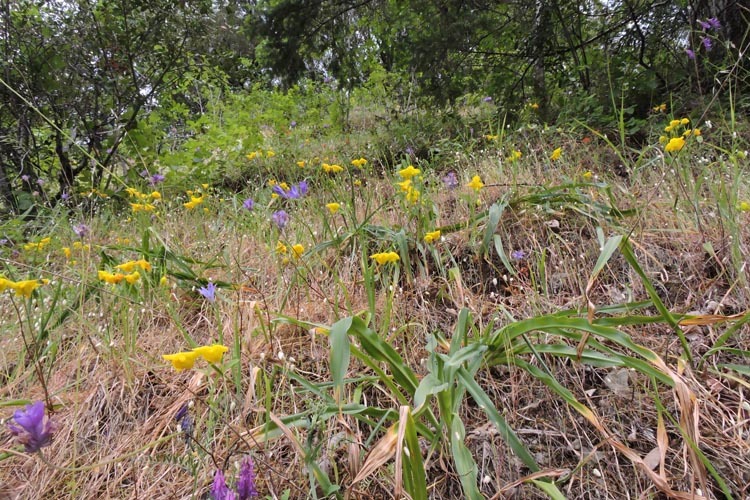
[81,80]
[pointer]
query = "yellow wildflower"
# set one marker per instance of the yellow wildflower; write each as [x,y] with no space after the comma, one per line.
[5,284]
[674,123]
[491,137]
[333,207]
[534,105]
[588,175]
[744,206]
[67,252]
[432,236]
[194,202]
[405,185]
[301,164]
[385,257]
[281,248]
[26,287]
[661,108]
[156,195]
[476,183]
[663,139]
[684,121]
[412,195]
[697,132]
[39,245]
[132,277]
[163,281]
[253,155]
[270,154]
[675,144]
[211,353]
[332,169]
[409,172]
[515,155]
[358,182]
[128,267]
[359,162]
[297,250]
[110,278]
[142,207]
[556,154]
[181,360]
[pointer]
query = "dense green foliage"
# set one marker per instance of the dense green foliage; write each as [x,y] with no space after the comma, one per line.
[83,79]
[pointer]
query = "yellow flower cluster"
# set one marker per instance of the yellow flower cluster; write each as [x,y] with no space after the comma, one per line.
[385,257]
[515,155]
[491,137]
[359,162]
[194,200]
[129,266]
[432,236]
[22,288]
[676,139]
[38,246]
[259,154]
[556,154]
[411,193]
[332,169]
[333,207]
[186,359]
[476,183]
[661,108]
[116,278]
[77,245]
[144,201]
[295,251]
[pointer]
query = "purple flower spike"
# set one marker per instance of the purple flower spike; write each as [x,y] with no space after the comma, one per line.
[704,24]
[487,99]
[156,179]
[208,292]
[518,254]
[246,482]
[81,230]
[219,488]
[277,189]
[707,43]
[715,24]
[280,218]
[32,428]
[25,178]
[690,53]
[450,180]
[248,204]
[303,188]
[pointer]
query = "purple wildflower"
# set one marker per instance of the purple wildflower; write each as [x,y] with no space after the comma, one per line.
[40,182]
[32,428]
[295,192]
[246,481]
[185,421]
[409,150]
[690,53]
[704,24]
[451,180]
[707,43]
[219,488]
[65,196]
[487,99]
[280,218]
[208,292]
[518,254]
[293,124]
[715,24]
[25,178]
[156,179]
[81,230]
[248,204]
[143,173]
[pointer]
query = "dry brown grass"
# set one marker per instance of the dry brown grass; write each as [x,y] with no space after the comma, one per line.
[115,405]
